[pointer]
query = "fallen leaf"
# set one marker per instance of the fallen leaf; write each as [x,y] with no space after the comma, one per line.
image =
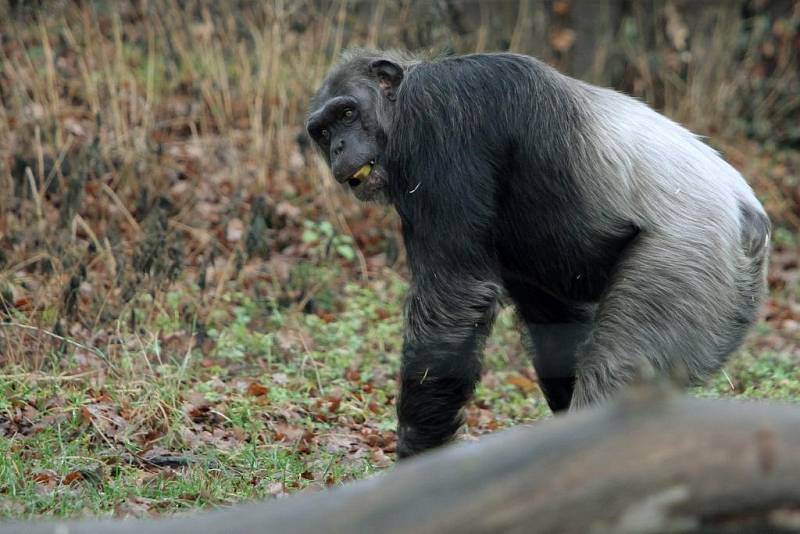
[257,390]
[333,403]
[287,432]
[72,478]
[379,458]
[525,384]
[47,478]
[353,375]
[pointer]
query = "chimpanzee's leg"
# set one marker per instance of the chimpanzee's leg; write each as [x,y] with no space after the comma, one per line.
[672,304]
[556,329]
[446,324]
[554,349]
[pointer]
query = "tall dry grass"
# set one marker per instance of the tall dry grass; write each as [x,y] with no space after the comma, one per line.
[137,137]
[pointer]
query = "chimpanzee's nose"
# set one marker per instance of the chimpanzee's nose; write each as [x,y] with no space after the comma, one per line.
[339,148]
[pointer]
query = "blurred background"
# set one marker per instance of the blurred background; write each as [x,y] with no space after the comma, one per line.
[184,290]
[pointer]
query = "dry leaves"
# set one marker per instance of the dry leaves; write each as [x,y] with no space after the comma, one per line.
[525,384]
[256,389]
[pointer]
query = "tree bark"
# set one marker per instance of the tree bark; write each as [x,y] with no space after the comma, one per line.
[652,461]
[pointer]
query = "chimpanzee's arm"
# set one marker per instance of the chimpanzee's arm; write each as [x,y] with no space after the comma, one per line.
[449,312]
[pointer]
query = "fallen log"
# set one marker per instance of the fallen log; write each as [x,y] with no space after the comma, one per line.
[652,461]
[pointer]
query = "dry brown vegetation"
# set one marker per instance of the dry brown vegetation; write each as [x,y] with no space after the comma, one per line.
[154,144]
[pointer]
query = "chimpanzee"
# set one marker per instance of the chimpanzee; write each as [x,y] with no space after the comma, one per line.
[625,242]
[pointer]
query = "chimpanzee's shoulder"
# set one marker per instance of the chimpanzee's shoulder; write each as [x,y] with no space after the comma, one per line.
[494,65]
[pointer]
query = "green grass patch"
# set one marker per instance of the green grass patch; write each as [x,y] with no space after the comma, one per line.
[274,400]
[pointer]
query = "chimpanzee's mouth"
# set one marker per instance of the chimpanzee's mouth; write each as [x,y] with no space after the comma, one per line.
[361,174]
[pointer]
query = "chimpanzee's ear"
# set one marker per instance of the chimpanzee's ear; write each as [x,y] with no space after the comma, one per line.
[389,75]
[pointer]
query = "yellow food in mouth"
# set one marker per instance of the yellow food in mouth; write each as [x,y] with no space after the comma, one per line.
[363,172]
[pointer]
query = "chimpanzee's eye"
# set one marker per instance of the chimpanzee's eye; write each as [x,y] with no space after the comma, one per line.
[324,133]
[348,113]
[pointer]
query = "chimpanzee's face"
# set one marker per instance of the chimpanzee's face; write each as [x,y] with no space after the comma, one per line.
[348,121]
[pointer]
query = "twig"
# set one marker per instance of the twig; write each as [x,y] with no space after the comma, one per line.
[728,378]
[122,208]
[47,378]
[74,343]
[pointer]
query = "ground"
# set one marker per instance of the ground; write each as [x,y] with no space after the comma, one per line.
[271,401]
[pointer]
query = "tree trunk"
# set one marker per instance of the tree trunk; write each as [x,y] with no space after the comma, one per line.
[650,462]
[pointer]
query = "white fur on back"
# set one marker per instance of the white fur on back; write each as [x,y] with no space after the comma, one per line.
[661,160]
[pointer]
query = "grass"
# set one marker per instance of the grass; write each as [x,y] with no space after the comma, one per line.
[273,401]
[191,314]
[255,414]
